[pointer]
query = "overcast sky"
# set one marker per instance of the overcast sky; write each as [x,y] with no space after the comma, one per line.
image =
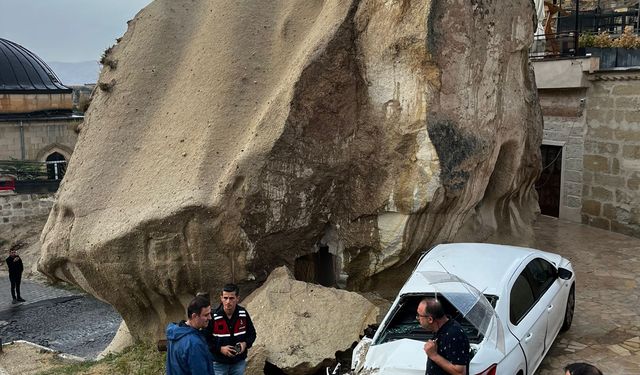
[66,30]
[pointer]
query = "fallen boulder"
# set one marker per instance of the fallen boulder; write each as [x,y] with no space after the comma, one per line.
[256,359]
[301,326]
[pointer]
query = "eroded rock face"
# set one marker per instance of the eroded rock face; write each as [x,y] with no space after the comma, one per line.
[229,138]
[302,325]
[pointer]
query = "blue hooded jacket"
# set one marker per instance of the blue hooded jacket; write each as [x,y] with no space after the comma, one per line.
[187,351]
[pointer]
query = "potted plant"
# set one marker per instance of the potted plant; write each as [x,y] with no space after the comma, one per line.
[627,48]
[623,51]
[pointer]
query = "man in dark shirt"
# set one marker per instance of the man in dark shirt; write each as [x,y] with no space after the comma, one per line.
[448,352]
[15,275]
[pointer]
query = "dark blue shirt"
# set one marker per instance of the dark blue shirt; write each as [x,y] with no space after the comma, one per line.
[453,345]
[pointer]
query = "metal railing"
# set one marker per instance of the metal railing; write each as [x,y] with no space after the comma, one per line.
[31,176]
[556,45]
[569,19]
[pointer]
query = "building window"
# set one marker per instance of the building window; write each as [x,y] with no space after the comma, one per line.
[56,166]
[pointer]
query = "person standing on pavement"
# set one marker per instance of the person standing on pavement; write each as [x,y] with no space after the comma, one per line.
[580,368]
[15,275]
[448,352]
[187,350]
[230,333]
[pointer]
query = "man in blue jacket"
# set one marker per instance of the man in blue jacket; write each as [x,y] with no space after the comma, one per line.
[187,350]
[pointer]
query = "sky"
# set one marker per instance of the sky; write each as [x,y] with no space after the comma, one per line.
[66,30]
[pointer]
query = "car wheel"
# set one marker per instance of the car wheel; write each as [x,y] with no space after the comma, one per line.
[571,306]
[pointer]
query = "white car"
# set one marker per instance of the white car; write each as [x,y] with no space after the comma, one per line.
[511,301]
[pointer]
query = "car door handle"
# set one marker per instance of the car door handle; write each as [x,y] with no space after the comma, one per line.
[528,337]
[550,307]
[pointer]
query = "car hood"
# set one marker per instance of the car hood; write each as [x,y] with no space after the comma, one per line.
[403,356]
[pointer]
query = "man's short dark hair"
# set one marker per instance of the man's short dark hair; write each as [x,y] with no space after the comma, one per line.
[434,307]
[230,288]
[196,305]
[581,368]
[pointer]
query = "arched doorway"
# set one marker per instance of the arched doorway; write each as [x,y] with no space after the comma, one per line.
[56,166]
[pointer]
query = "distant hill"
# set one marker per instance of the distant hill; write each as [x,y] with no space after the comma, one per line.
[76,73]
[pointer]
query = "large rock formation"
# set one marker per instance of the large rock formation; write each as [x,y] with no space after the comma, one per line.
[302,325]
[231,137]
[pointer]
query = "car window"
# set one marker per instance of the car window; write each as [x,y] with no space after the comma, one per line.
[521,299]
[403,323]
[541,275]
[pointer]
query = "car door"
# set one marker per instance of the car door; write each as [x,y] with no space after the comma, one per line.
[527,319]
[546,288]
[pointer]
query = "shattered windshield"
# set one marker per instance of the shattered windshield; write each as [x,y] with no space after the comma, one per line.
[403,323]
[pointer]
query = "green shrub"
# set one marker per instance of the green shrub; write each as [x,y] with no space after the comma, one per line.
[604,40]
[628,39]
[141,359]
[586,40]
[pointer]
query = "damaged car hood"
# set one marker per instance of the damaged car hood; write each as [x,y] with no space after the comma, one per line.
[402,356]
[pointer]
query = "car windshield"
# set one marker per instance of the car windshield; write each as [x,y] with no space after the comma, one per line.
[403,323]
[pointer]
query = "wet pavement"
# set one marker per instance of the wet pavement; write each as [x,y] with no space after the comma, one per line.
[32,292]
[606,326]
[65,320]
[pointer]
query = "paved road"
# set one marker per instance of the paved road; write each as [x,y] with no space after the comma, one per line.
[32,292]
[606,327]
[65,320]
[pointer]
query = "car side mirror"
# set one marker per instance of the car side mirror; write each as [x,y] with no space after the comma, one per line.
[564,273]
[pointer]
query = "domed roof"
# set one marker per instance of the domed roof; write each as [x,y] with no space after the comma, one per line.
[21,71]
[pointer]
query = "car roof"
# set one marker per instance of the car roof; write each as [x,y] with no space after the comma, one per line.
[488,267]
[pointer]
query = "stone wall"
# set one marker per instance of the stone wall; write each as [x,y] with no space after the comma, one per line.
[598,127]
[23,103]
[40,139]
[16,208]
[564,121]
[611,189]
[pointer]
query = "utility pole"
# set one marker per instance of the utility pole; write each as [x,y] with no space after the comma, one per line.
[576,36]
[637,19]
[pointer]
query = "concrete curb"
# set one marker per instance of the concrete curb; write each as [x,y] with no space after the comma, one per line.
[69,357]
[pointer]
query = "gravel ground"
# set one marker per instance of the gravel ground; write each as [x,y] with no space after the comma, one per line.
[78,325]
[23,359]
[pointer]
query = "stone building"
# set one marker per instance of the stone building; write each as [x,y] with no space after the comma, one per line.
[591,146]
[37,122]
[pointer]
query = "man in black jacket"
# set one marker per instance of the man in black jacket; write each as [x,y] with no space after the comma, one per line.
[230,334]
[15,275]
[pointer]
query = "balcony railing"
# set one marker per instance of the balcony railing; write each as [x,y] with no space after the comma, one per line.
[556,45]
[571,19]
